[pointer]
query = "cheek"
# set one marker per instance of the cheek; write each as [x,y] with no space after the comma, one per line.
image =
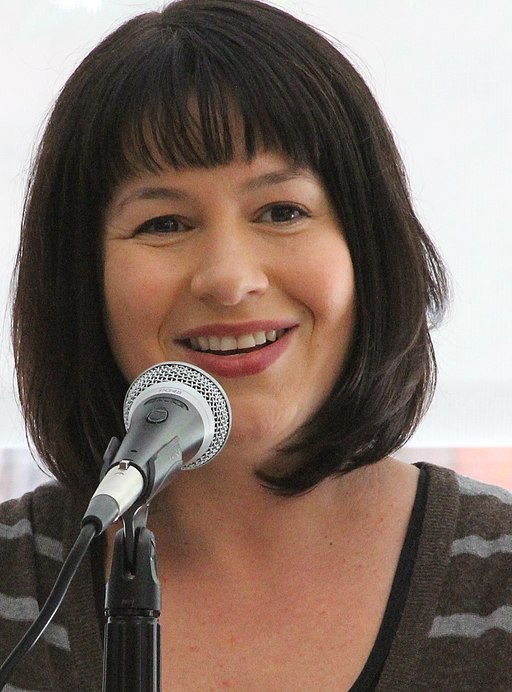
[330,292]
[134,311]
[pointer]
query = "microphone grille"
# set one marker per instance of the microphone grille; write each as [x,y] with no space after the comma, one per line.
[176,373]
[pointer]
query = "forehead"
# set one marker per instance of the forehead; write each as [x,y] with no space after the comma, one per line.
[265,170]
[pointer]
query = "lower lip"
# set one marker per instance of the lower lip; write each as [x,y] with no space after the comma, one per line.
[241,364]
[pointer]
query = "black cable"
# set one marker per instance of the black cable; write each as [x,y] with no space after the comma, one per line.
[76,555]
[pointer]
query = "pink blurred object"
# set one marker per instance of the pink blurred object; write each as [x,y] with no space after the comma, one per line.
[490,464]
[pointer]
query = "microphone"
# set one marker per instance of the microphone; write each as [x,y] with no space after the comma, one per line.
[177,418]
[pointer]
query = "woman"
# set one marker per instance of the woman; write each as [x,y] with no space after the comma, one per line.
[216,185]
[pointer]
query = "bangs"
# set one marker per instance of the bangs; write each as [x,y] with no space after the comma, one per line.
[188,104]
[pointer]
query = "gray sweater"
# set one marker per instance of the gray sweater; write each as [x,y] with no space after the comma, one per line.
[455,633]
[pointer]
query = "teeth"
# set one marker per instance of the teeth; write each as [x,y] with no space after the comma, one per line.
[246,341]
[233,343]
[203,343]
[228,343]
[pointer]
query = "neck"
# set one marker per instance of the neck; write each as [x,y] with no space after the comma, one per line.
[206,516]
[228,523]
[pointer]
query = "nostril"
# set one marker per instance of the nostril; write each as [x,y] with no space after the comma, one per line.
[228,281]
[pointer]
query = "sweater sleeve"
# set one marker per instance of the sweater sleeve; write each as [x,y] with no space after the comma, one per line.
[456,632]
[470,639]
[36,533]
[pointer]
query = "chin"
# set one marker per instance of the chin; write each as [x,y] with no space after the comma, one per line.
[264,434]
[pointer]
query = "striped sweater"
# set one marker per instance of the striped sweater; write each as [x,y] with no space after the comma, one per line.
[455,634]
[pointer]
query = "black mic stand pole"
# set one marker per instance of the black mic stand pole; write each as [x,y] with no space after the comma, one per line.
[131,655]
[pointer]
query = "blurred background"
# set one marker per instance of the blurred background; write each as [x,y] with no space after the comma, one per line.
[442,72]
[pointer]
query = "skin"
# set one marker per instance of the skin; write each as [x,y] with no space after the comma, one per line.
[300,583]
[244,250]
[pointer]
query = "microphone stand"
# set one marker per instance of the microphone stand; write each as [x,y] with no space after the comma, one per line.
[131,657]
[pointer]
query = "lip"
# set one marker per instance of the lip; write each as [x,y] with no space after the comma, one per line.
[239,364]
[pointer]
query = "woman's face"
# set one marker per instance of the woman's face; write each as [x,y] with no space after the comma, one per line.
[240,269]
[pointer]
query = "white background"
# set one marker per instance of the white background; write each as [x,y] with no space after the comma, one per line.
[442,72]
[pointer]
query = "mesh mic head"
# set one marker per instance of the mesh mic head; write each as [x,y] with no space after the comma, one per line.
[188,378]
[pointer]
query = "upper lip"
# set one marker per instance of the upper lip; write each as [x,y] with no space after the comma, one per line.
[238,329]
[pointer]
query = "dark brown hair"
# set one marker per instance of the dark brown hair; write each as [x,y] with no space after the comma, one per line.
[128,107]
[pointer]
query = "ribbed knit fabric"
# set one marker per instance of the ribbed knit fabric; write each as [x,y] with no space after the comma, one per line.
[36,534]
[456,630]
[455,634]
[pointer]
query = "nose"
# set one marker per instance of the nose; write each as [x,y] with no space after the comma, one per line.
[230,267]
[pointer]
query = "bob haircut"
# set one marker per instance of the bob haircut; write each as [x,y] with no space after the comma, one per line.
[162,89]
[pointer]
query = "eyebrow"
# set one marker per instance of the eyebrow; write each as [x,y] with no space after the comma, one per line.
[165,192]
[151,192]
[277,177]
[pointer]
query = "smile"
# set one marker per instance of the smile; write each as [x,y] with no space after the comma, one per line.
[226,345]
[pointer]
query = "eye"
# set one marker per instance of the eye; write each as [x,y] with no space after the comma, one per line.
[283,213]
[162,225]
